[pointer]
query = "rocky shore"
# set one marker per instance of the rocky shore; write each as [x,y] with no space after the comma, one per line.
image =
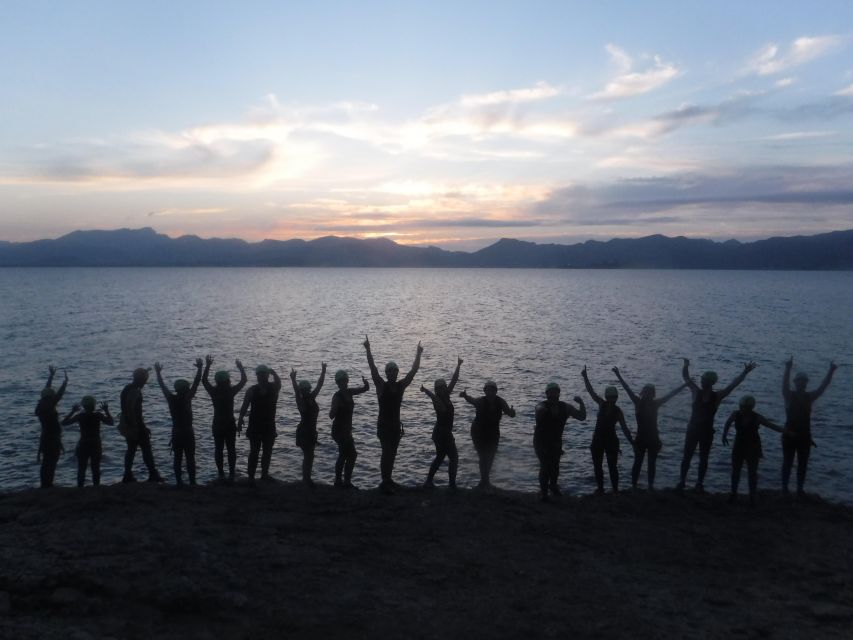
[284,561]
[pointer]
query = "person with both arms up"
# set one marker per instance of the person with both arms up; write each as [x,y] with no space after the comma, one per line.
[50,439]
[89,449]
[306,430]
[442,433]
[181,409]
[224,427]
[604,439]
[340,414]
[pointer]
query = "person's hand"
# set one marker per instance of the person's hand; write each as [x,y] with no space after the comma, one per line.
[238,364]
[583,372]
[512,408]
[423,388]
[578,399]
[158,367]
[459,361]
[105,407]
[686,362]
[749,366]
[463,393]
[832,366]
[208,360]
[51,369]
[615,370]
[420,348]
[292,374]
[75,408]
[366,342]
[789,362]
[65,374]
[199,363]
[323,366]
[364,380]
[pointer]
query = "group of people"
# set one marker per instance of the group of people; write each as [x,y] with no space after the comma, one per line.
[261,400]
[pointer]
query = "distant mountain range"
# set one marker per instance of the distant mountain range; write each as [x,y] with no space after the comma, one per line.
[147,248]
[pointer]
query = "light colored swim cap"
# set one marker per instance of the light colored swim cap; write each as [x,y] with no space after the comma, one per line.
[140,374]
[47,392]
[222,377]
[492,384]
[262,369]
[182,385]
[552,386]
[801,375]
[611,393]
[747,402]
[710,376]
[391,366]
[304,387]
[441,384]
[649,389]
[341,376]
[88,402]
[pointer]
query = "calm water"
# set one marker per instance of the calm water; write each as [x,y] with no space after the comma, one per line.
[520,327]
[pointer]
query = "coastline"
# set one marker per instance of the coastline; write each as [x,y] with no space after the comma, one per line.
[282,560]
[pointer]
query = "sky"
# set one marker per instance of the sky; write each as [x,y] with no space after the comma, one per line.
[446,123]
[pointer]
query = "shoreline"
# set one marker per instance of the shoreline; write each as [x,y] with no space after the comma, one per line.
[217,561]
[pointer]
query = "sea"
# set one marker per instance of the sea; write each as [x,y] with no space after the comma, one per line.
[522,328]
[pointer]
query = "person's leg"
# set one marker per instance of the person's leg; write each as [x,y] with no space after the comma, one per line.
[691,440]
[339,464]
[50,458]
[789,450]
[804,449]
[82,463]
[651,468]
[639,454]
[130,454]
[254,452]
[218,451]
[737,464]
[440,453]
[613,467]
[389,455]
[752,470]
[598,466]
[231,446]
[266,454]
[453,462]
[96,464]
[705,443]
[178,450]
[543,472]
[349,461]
[554,471]
[190,453]
[489,461]
[307,462]
[148,456]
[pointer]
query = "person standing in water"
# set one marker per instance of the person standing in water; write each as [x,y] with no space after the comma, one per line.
[700,429]
[486,427]
[132,426]
[389,429]
[89,449]
[604,438]
[341,416]
[50,439]
[551,418]
[224,424]
[306,430]
[747,447]
[181,409]
[260,401]
[646,407]
[442,433]
[797,440]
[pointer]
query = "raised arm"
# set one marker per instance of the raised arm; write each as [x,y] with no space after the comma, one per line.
[749,366]
[507,409]
[205,378]
[685,375]
[247,400]
[158,369]
[374,372]
[320,381]
[415,366]
[199,363]
[437,402]
[108,418]
[580,412]
[357,390]
[786,378]
[243,378]
[817,393]
[625,386]
[726,428]
[61,391]
[51,372]
[592,394]
[276,381]
[671,395]
[296,393]
[72,415]
[455,377]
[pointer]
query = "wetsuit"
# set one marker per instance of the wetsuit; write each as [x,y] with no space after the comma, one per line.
[798,422]
[442,436]
[647,440]
[306,432]
[224,424]
[89,447]
[486,432]
[389,429]
[183,435]
[551,418]
[132,427]
[605,442]
[700,431]
[344,405]
[261,431]
[747,447]
[50,440]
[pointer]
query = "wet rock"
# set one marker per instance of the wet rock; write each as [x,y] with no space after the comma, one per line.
[5,603]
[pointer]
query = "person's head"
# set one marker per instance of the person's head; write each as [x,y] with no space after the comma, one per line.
[341,378]
[708,379]
[440,387]
[490,388]
[304,388]
[88,403]
[262,372]
[610,394]
[182,386]
[47,393]
[392,371]
[801,381]
[552,391]
[747,403]
[648,392]
[222,378]
[140,376]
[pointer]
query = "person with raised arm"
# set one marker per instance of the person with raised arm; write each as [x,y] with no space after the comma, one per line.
[797,440]
[341,416]
[181,409]
[306,430]
[646,407]
[89,450]
[260,402]
[50,438]
[222,395]
[486,427]
[700,429]
[389,429]
[747,447]
[551,418]
[132,426]
[442,433]
[605,442]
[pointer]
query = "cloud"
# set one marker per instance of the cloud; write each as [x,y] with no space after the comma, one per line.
[846,91]
[781,83]
[540,91]
[771,60]
[632,83]
[800,135]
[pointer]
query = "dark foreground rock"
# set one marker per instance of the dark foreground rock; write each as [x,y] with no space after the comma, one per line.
[287,562]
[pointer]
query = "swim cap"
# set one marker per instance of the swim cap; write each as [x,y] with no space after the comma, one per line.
[441,383]
[492,384]
[552,386]
[611,393]
[801,375]
[181,385]
[47,392]
[140,374]
[710,376]
[747,402]
[391,366]
[341,376]
[262,369]
[222,377]
[88,402]
[304,387]
[649,389]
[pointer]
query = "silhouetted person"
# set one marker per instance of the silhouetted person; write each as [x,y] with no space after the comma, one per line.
[551,418]
[747,447]
[224,424]
[89,449]
[50,439]
[341,416]
[389,429]
[442,433]
[486,427]
[605,442]
[181,409]
[798,422]
[132,426]
[306,430]
[700,429]
[646,408]
[260,401]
